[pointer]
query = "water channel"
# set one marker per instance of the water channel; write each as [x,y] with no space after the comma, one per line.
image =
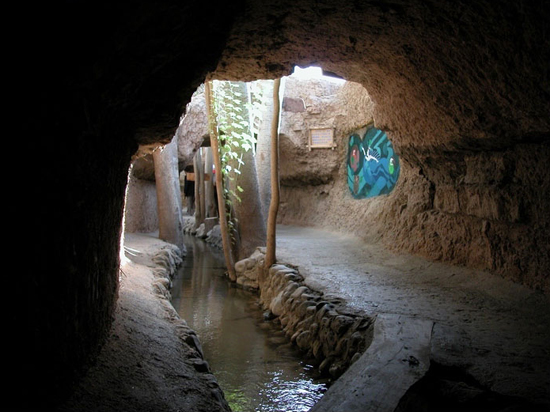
[252,360]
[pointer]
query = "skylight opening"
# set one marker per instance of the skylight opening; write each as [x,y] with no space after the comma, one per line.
[313,72]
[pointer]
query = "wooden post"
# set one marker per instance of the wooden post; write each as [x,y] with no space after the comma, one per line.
[200,213]
[209,195]
[169,194]
[219,182]
[270,256]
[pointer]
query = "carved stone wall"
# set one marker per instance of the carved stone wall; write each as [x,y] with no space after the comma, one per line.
[456,84]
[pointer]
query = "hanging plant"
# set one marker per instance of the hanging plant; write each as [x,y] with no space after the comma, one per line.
[232,107]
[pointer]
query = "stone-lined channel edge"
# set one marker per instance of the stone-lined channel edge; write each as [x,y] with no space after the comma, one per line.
[327,331]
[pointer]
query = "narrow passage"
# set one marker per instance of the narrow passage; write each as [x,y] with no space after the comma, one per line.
[252,360]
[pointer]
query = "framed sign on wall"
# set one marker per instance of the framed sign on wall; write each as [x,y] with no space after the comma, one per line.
[321,138]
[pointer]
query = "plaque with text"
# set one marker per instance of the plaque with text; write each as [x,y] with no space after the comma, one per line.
[321,138]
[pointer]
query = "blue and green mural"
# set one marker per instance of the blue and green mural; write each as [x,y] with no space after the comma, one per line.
[373,166]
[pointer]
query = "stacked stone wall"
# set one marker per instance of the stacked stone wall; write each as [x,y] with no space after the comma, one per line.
[325,330]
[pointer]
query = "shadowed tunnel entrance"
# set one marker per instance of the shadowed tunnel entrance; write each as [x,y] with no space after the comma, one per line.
[461,89]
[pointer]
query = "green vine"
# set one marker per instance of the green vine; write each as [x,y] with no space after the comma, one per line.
[232,105]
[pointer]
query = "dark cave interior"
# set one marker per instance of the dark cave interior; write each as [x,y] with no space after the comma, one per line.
[462,88]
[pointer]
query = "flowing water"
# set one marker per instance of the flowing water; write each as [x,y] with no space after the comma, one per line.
[252,360]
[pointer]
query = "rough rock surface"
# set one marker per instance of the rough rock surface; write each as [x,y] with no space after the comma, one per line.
[141,206]
[446,99]
[193,128]
[298,165]
[469,209]
[452,81]
[247,270]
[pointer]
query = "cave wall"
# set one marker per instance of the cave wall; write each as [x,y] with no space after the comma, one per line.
[141,214]
[449,75]
[96,81]
[454,82]
[487,210]
[306,105]
[140,210]
[484,210]
[462,91]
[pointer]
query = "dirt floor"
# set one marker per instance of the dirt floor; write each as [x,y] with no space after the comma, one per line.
[493,330]
[151,361]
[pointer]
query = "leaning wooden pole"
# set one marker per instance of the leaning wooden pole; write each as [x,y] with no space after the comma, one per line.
[274,203]
[212,129]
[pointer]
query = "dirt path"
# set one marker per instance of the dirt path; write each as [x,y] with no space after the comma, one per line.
[496,331]
[150,361]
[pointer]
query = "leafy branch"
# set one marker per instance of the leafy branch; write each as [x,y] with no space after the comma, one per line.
[232,106]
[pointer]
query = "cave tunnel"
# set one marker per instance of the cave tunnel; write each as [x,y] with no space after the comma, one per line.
[462,88]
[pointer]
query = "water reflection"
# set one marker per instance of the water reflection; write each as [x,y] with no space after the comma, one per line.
[253,363]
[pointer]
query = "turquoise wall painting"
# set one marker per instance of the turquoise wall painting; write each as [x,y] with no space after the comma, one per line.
[373,166]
